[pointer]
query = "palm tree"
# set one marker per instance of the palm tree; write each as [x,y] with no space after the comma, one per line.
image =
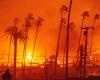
[96,17]
[84,16]
[26,28]
[38,24]
[81,61]
[15,21]
[71,26]
[15,34]
[62,21]
[67,40]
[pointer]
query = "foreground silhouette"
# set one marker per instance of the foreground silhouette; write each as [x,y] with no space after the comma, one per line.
[6,75]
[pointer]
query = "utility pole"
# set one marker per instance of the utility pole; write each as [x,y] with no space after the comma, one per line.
[85,52]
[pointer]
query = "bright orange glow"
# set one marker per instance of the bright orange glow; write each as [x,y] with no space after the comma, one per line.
[48,32]
[29,57]
[91,57]
[58,62]
[38,60]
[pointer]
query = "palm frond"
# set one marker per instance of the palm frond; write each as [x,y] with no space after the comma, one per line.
[71,25]
[64,7]
[28,21]
[63,20]
[21,35]
[39,21]
[96,16]
[30,16]
[85,14]
[15,32]
[11,30]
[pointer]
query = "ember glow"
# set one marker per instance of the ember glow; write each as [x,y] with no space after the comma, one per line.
[29,56]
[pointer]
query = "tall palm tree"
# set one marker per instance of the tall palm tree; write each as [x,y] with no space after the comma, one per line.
[71,26]
[62,21]
[81,61]
[16,34]
[38,24]
[67,40]
[16,20]
[96,17]
[26,28]
[84,16]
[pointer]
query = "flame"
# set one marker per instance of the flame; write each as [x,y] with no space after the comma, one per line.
[29,57]
[58,62]
[35,59]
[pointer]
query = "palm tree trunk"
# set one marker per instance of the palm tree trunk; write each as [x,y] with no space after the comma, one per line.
[85,54]
[23,60]
[34,45]
[35,39]
[56,58]
[24,53]
[67,42]
[79,49]
[80,39]
[81,30]
[9,50]
[15,52]
[81,62]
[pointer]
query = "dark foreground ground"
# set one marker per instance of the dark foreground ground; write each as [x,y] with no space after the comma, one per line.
[41,73]
[89,78]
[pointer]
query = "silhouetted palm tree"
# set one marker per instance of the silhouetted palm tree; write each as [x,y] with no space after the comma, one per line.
[80,67]
[26,28]
[67,40]
[29,18]
[15,34]
[71,25]
[38,24]
[15,21]
[96,17]
[62,22]
[84,16]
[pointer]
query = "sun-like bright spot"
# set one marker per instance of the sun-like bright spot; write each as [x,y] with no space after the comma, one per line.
[58,62]
[91,58]
[29,57]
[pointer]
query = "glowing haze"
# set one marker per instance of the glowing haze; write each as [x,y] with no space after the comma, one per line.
[48,32]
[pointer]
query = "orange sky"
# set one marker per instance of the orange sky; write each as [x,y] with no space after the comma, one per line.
[49,10]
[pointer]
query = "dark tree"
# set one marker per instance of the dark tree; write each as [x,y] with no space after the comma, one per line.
[15,34]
